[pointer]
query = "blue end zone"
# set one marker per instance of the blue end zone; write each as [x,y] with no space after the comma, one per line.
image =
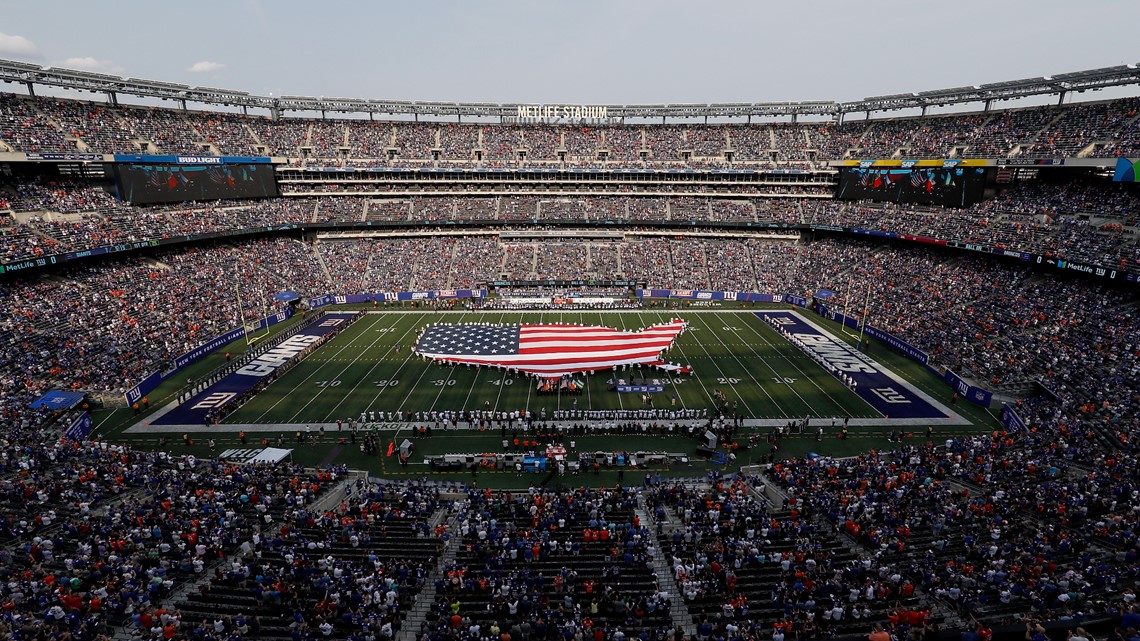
[199,409]
[881,388]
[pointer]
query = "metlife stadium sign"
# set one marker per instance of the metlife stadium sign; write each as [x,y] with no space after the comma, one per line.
[562,112]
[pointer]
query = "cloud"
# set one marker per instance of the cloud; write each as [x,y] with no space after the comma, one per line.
[205,66]
[88,63]
[18,46]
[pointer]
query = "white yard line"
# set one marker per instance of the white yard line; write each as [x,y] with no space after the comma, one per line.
[747,369]
[394,375]
[681,352]
[316,371]
[367,375]
[671,379]
[335,378]
[502,378]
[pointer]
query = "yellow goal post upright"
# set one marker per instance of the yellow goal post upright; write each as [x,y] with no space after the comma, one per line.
[250,333]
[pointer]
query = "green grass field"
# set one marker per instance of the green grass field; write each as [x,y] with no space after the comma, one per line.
[730,349]
[734,352]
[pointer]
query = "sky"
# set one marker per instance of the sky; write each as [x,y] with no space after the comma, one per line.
[579,52]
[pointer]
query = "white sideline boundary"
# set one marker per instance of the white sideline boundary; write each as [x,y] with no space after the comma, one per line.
[331,428]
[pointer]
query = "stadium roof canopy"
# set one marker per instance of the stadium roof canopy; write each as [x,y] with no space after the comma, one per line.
[1061,84]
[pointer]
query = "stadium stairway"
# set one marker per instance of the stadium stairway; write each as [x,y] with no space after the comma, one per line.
[324,266]
[534,263]
[452,255]
[417,614]
[253,135]
[666,581]
[337,493]
[705,261]
[75,140]
[752,261]
[1027,144]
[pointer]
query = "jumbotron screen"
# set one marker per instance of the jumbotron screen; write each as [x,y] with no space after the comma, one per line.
[950,186]
[146,184]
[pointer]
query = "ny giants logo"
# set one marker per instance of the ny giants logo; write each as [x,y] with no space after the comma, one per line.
[217,399]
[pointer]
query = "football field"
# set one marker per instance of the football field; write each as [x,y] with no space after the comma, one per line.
[370,367]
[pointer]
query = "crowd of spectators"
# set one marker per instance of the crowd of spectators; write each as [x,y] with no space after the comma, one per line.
[370,139]
[23,127]
[97,328]
[100,538]
[565,261]
[58,194]
[551,563]
[707,142]
[992,527]
[743,565]
[416,141]
[519,260]
[996,527]
[581,143]
[47,124]
[365,266]
[388,210]
[989,526]
[754,142]
[343,209]
[623,144]
[501,143]
[327,138]
[1086,222]
[280,137]
[224,134]
[992,321]
[349,571]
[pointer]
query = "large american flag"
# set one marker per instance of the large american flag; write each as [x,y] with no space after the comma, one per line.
[549,351]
